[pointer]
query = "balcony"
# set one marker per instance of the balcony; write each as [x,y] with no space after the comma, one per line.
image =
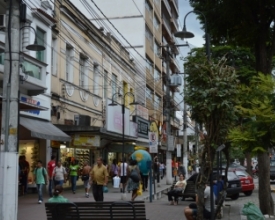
[167,6]
[166,27]
[32,76]
[174,65]
[175,5]
[174,24]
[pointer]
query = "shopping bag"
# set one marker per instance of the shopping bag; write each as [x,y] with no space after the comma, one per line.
[116,181]
[252,212]
[105,189]
[139,192]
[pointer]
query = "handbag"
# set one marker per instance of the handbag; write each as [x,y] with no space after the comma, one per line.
[134,176]
[139,192]
[85,177]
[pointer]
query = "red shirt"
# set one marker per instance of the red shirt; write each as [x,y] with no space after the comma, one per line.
[51,166]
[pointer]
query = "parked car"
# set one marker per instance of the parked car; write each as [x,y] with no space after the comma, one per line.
[246,181]
[272,169]
[233,191]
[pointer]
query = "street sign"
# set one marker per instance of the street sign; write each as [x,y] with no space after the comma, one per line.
[178,150]
[153,142]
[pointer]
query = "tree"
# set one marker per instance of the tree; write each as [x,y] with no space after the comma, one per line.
[257,133]
[211,92]
[250,24]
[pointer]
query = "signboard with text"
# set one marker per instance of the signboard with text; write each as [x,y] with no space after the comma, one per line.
[153,142]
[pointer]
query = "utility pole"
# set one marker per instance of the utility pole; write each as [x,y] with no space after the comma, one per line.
[185,152]
[169,179]
[9,127]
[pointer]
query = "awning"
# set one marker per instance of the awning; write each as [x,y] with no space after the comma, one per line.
[43,129]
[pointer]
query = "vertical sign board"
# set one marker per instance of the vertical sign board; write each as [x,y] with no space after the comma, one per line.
[170,146]
[153,142]
[178,150]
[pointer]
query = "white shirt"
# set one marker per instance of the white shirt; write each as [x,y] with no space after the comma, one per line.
[125,169]
[59,173]
[207,200]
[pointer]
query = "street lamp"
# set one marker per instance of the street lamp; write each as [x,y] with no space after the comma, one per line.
[186,34]
[114,103]
[35,46]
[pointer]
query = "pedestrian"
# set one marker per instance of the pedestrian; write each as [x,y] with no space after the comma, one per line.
[123,174]
[113,170]
[41,178]
[57,197]
[24,169]
[144,180]
[98,179]
[178,188]
[85,176]
[59,175]
[161,169]
[156,168]
[133,185]
[74,173]
[191,211]
[181,169]
[51,166]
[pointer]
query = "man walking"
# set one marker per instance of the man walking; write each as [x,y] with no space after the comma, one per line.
[86,177]
[40,178]
[99,178]
[51,166]
[59,174]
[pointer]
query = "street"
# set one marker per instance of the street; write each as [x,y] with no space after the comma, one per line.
[28,209]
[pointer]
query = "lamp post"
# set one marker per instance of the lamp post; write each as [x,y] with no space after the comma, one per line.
[114,103]
[186,34]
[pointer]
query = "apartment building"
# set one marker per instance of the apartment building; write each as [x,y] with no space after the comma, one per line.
[35,131]
[90,71]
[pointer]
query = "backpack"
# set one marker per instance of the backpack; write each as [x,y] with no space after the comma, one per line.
[134,176]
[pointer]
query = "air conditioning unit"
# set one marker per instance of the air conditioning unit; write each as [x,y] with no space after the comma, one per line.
[2,21]
[82,120]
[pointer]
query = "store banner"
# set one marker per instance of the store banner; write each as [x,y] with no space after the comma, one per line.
[153,142]
[85,140]
[55,144]
[178,150]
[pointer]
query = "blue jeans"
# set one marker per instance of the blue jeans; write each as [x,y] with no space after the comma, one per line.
[73,182]
[51,185]
[58,182]
[40,191]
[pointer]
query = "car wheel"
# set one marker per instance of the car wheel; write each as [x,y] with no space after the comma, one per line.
[235,196]
[248,193]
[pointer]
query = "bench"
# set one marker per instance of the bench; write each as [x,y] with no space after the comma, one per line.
[189,191]
[96,210]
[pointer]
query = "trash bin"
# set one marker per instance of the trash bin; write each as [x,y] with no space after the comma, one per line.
[252,212]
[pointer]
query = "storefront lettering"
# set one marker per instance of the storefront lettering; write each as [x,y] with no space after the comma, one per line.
[33,102]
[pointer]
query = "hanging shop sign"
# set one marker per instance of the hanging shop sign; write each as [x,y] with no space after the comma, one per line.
[85,140]
[153,142]
[142,126]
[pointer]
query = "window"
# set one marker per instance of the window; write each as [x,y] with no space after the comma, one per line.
[2,57]
[54,57]
[149,94]
[114,85]
[149,36]
[156,22]
[69,65]
[96,80]
[40,37]
[83,72]
[105,84]
[157,75]
[157,102]
[149,66]
[156,48]
[31,69]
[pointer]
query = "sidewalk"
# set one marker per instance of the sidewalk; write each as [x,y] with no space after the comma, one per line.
[159,209]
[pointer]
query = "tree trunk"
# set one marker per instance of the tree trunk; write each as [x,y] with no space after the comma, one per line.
[265,197]
[248,162]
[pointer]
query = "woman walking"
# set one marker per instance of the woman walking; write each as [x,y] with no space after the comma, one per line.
[133,185]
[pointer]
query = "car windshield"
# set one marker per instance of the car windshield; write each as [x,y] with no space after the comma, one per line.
[241,173]
[272,163]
